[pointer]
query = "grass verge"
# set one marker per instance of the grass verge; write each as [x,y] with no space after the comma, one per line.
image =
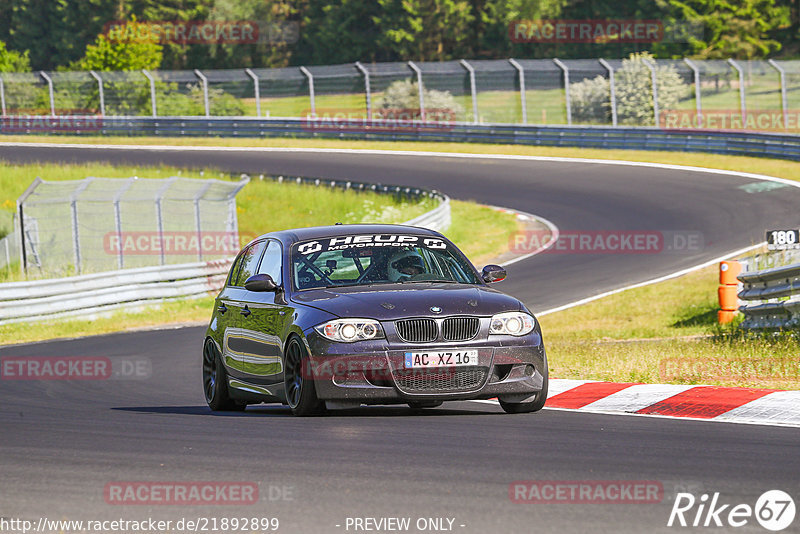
[666,333]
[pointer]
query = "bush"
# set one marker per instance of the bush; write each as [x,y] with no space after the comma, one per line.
[401,100]
[591,99]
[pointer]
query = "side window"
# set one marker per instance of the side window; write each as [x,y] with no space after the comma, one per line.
[271,263]
[249,260]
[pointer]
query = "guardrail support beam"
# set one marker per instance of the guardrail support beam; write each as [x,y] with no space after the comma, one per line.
[2,97]
[654,81]
[784,103]
[522,97]
[100,89]
[256,90]
[740,71]
[49,81]
[152,80]
[204,80]
[473,90]
[367,91]
[310,89]
[697,92]
[613,90]
[567,99]
[418,72]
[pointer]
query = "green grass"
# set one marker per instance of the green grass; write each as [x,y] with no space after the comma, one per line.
[666,333]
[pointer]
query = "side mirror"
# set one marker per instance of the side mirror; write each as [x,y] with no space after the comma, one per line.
[260,282]
[493,273]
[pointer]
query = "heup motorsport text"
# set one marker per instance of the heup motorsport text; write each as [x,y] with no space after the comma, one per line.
[369,241]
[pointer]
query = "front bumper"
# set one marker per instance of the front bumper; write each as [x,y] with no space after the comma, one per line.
[373,372]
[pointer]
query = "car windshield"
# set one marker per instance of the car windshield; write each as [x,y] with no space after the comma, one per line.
[369,259]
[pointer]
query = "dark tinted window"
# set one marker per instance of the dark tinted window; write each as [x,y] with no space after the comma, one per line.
[271,263]
[248,261]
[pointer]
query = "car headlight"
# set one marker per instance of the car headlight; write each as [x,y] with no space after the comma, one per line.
[512,324]
[349,330]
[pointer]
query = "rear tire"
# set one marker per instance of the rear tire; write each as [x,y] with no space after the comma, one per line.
[301,393]
[528,407]
[215,382]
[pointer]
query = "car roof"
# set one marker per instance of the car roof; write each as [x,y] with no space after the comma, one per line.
[316,232]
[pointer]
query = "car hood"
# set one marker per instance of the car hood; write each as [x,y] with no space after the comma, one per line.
[396,301]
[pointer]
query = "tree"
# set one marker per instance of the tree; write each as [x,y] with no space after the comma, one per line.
[11,61]
[123,49]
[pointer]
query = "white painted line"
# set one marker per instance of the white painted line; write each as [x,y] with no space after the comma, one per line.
[554,231]
[729,255]
[636,397]
[414,153]
[781,406]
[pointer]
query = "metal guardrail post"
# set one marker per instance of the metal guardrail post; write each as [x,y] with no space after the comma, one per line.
[473,90]
[152,92]
[310,89]
[76,238]
[612,87]
[522,98]
[205,90]
[564,68]
[367,91]
[2,97]
[697,92]
[20,209]
[256,90]
[198,226]
[740,71]
[418,72]
[118,219]
[160,216]
[654,81]
[49,81]
[784,102]
[100,89]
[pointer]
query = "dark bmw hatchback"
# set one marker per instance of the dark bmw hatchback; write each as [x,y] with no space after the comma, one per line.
[340,316]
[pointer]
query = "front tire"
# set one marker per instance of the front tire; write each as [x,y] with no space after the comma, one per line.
[301,393]
[528,407]
[215,382]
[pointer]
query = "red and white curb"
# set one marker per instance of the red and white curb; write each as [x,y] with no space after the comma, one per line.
[710,403]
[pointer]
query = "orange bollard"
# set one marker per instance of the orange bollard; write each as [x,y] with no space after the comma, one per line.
[728,289]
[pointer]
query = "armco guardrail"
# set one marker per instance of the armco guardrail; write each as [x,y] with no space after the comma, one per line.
[101,292]
[772,297]
[771,145]
[84,294]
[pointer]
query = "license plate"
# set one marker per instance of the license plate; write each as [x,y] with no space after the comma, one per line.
[441,359]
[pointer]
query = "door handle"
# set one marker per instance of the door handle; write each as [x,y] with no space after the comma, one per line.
[222,309]
[245,311]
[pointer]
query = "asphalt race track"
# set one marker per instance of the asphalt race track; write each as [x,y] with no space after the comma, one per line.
[62,443]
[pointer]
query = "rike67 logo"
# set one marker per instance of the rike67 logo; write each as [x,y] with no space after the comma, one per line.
[774,510]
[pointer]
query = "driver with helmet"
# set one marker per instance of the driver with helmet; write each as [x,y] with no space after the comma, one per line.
[405,264]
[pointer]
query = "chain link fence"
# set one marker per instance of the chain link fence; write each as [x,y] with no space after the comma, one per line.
[710,94]
[104,224]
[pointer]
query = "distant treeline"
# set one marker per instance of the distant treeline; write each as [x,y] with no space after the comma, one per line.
[55,33]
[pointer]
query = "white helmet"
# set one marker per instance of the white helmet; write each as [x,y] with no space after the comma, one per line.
[403,265]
